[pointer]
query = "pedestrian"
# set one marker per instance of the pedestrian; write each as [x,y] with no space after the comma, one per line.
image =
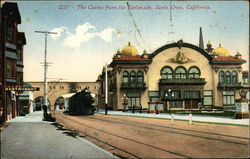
[44,111]
[133,109]
[140,108]
[156,109]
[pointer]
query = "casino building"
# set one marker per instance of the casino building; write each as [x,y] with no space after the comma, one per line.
[179,75]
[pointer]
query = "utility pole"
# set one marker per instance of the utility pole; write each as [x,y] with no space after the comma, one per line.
[106,90]
[45,72]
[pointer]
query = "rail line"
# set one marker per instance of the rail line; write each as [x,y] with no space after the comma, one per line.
[125,138]
[101,141]
[175,132]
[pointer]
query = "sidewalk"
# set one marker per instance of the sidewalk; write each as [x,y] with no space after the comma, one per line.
[29,137]
[199,118]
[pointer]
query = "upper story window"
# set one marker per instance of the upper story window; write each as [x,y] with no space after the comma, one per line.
[19,54]
[140,76]
[10,68]
[132,76]
[245,78]
[193,72]
[234,77]
[228,77]
[167,73]
[9,32]
[125,76]
[180,73]
[222,77]
[19,78]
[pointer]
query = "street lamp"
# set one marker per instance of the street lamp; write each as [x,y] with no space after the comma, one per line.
[169,95]
[125,102]
[45,72]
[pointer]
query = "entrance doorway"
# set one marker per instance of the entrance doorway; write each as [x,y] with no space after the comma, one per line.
[191,104]
[133,99]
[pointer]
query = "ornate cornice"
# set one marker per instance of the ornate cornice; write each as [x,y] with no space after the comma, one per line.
[180,58]
[179,45]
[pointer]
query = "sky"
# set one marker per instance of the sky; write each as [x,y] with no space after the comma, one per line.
[91,32]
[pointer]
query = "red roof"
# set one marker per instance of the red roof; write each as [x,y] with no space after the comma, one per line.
[131,58]
[228,58]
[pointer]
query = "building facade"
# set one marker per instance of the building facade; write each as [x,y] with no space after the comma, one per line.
[11,57]
[177,76]
[58,89]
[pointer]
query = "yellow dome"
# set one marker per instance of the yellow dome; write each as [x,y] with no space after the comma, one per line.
[209,44]
[129,50]
[221,51]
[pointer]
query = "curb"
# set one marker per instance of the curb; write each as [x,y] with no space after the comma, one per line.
[5,125]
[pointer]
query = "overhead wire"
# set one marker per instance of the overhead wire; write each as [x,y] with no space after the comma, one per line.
[137,28]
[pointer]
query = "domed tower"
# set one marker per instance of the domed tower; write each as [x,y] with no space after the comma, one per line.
[221,51]
[209,48]
[129,50]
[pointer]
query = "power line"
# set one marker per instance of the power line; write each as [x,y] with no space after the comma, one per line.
[136,27]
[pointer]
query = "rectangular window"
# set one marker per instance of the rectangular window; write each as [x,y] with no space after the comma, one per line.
[191,94]
[19,54]
[228,97]
[174,94]
[245,78]
[10,68]
[133,94]
[19,78]
[175,104]
[153,96]
[208,98]
[9,32]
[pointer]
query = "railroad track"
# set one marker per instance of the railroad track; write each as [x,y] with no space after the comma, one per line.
[63,122]
[169,129]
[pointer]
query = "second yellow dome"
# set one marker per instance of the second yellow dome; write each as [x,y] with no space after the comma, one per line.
[221,51]
[129,50]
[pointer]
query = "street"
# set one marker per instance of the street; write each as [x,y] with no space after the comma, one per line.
[30,138]
[135,137]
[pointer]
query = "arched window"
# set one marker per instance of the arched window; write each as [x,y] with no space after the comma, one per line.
[228,77]
[234,77]
[132,76]
[140,76]
[180,73]
[166,72]
[194,72]
[222,77]
[125,76]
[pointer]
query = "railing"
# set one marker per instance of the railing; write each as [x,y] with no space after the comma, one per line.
[229,85]
[134,85]
[188,81]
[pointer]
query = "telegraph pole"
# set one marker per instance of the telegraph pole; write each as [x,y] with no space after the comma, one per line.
[106,90]
[45,72]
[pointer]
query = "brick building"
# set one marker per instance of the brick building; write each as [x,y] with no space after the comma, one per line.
[11,60]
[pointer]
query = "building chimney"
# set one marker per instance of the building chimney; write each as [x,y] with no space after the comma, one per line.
[201,44]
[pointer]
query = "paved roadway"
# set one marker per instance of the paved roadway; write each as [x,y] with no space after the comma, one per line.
[201,118]
[30,138]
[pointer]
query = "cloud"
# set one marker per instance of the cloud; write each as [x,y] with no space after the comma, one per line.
[59,31]
[83,33]
[106,34]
